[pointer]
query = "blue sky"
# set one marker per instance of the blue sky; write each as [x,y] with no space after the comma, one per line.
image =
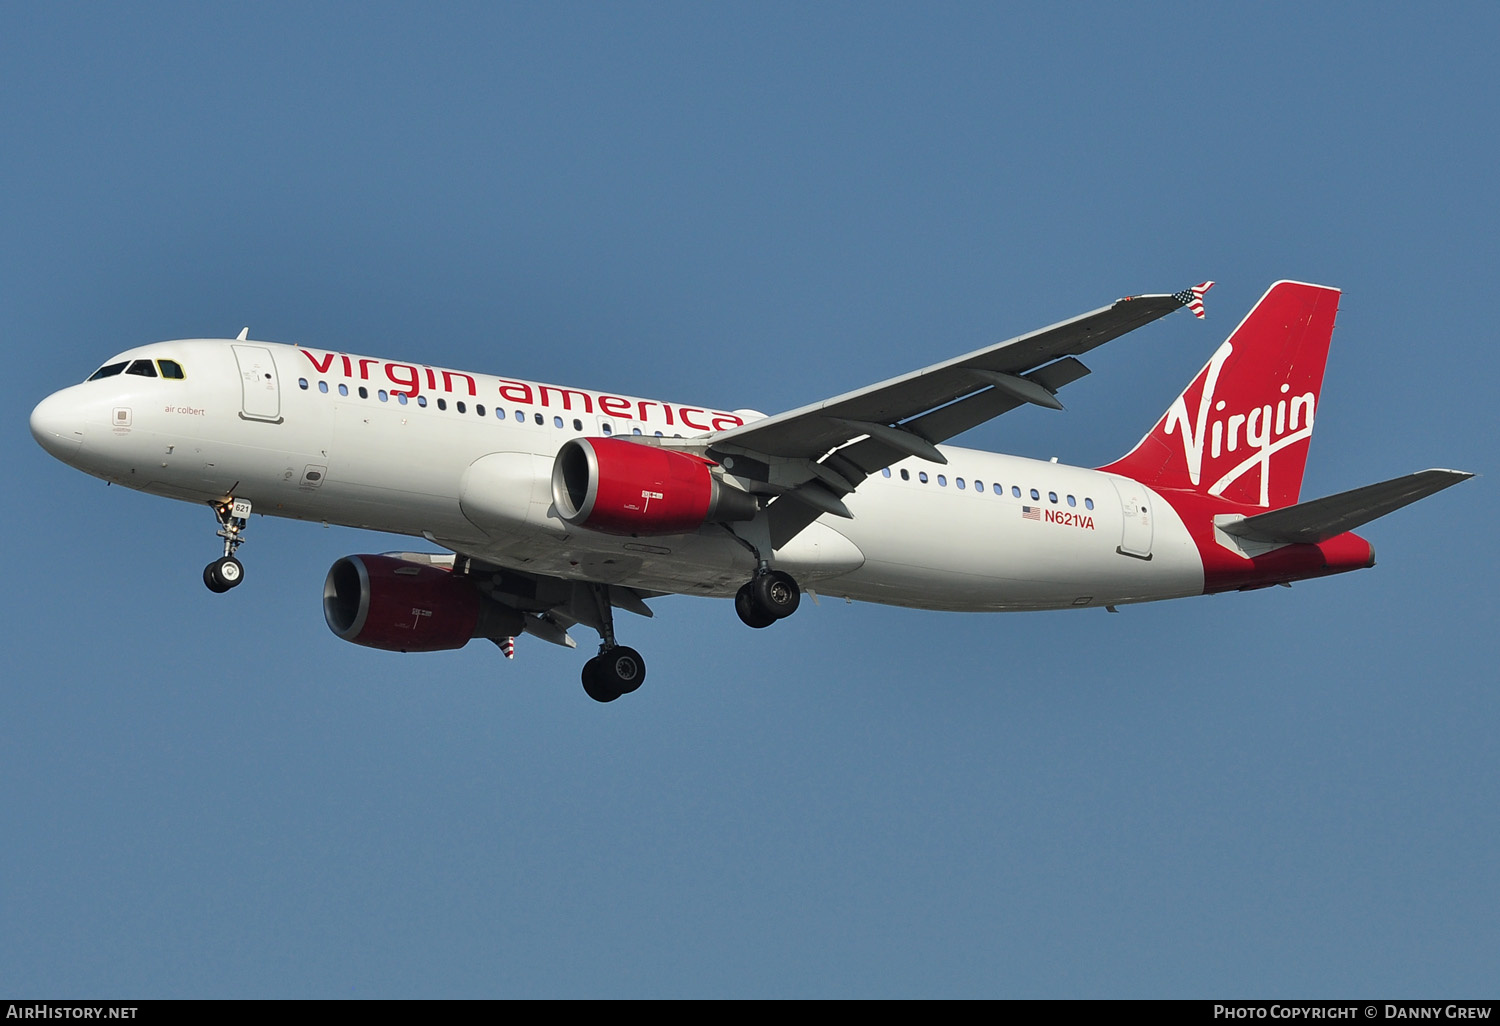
[1288,792]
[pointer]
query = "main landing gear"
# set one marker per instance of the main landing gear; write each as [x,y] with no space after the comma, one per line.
[613,672]
[617,669]
[769,596]
[227,572]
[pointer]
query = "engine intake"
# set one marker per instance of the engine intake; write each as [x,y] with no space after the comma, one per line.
[402,606]
[623,487]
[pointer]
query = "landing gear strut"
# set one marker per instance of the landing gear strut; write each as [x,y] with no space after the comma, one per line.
[227,572]
[769,596]
[617,669]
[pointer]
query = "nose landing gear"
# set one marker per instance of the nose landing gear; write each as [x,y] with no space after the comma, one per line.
[227,572]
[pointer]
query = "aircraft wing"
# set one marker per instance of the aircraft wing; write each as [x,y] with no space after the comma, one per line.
[818,453]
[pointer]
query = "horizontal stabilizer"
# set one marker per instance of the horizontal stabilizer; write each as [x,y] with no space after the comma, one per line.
[1321,519]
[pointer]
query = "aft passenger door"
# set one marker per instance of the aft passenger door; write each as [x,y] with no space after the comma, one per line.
[1135,508]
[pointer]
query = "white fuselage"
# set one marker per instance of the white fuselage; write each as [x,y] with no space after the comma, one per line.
[465,462]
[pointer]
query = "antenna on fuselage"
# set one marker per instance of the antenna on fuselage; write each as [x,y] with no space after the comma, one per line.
[243,335]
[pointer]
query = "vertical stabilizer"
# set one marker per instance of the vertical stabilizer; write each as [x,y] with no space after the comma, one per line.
[1241,429]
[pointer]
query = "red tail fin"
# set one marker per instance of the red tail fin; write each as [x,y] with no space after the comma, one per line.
[1241,430]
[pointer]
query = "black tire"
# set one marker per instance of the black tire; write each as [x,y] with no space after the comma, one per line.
[593,684]
[223,574]
[776,593]
[211,578]
[749,612]
[621,668]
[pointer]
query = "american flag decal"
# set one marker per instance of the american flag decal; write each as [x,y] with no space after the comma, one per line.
[1031,513]
[1193,298]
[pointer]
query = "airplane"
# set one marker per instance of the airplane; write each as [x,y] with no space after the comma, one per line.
[554,506]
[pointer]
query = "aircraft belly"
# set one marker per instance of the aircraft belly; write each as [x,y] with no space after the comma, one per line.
[819,552]
[507,497]
[695,564]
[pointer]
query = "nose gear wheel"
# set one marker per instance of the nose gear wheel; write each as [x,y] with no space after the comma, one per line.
[223,574]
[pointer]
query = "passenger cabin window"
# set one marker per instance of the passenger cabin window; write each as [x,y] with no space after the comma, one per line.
[109,370]
[144,368]
[171,369]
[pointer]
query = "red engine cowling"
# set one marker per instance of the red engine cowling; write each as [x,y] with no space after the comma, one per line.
[623,487]
[402,606]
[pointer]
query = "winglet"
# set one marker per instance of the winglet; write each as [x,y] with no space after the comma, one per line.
[1193,298]
[245,333]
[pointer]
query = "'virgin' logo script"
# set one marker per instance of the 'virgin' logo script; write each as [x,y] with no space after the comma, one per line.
[1264,430]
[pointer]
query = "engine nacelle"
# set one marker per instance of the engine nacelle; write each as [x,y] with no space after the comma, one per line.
[402,606]
[623,487]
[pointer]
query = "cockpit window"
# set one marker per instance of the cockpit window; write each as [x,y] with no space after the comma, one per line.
[109,370]
[170,369]
[145,368]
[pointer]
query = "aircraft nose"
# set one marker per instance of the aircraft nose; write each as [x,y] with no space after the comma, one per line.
[57,427]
